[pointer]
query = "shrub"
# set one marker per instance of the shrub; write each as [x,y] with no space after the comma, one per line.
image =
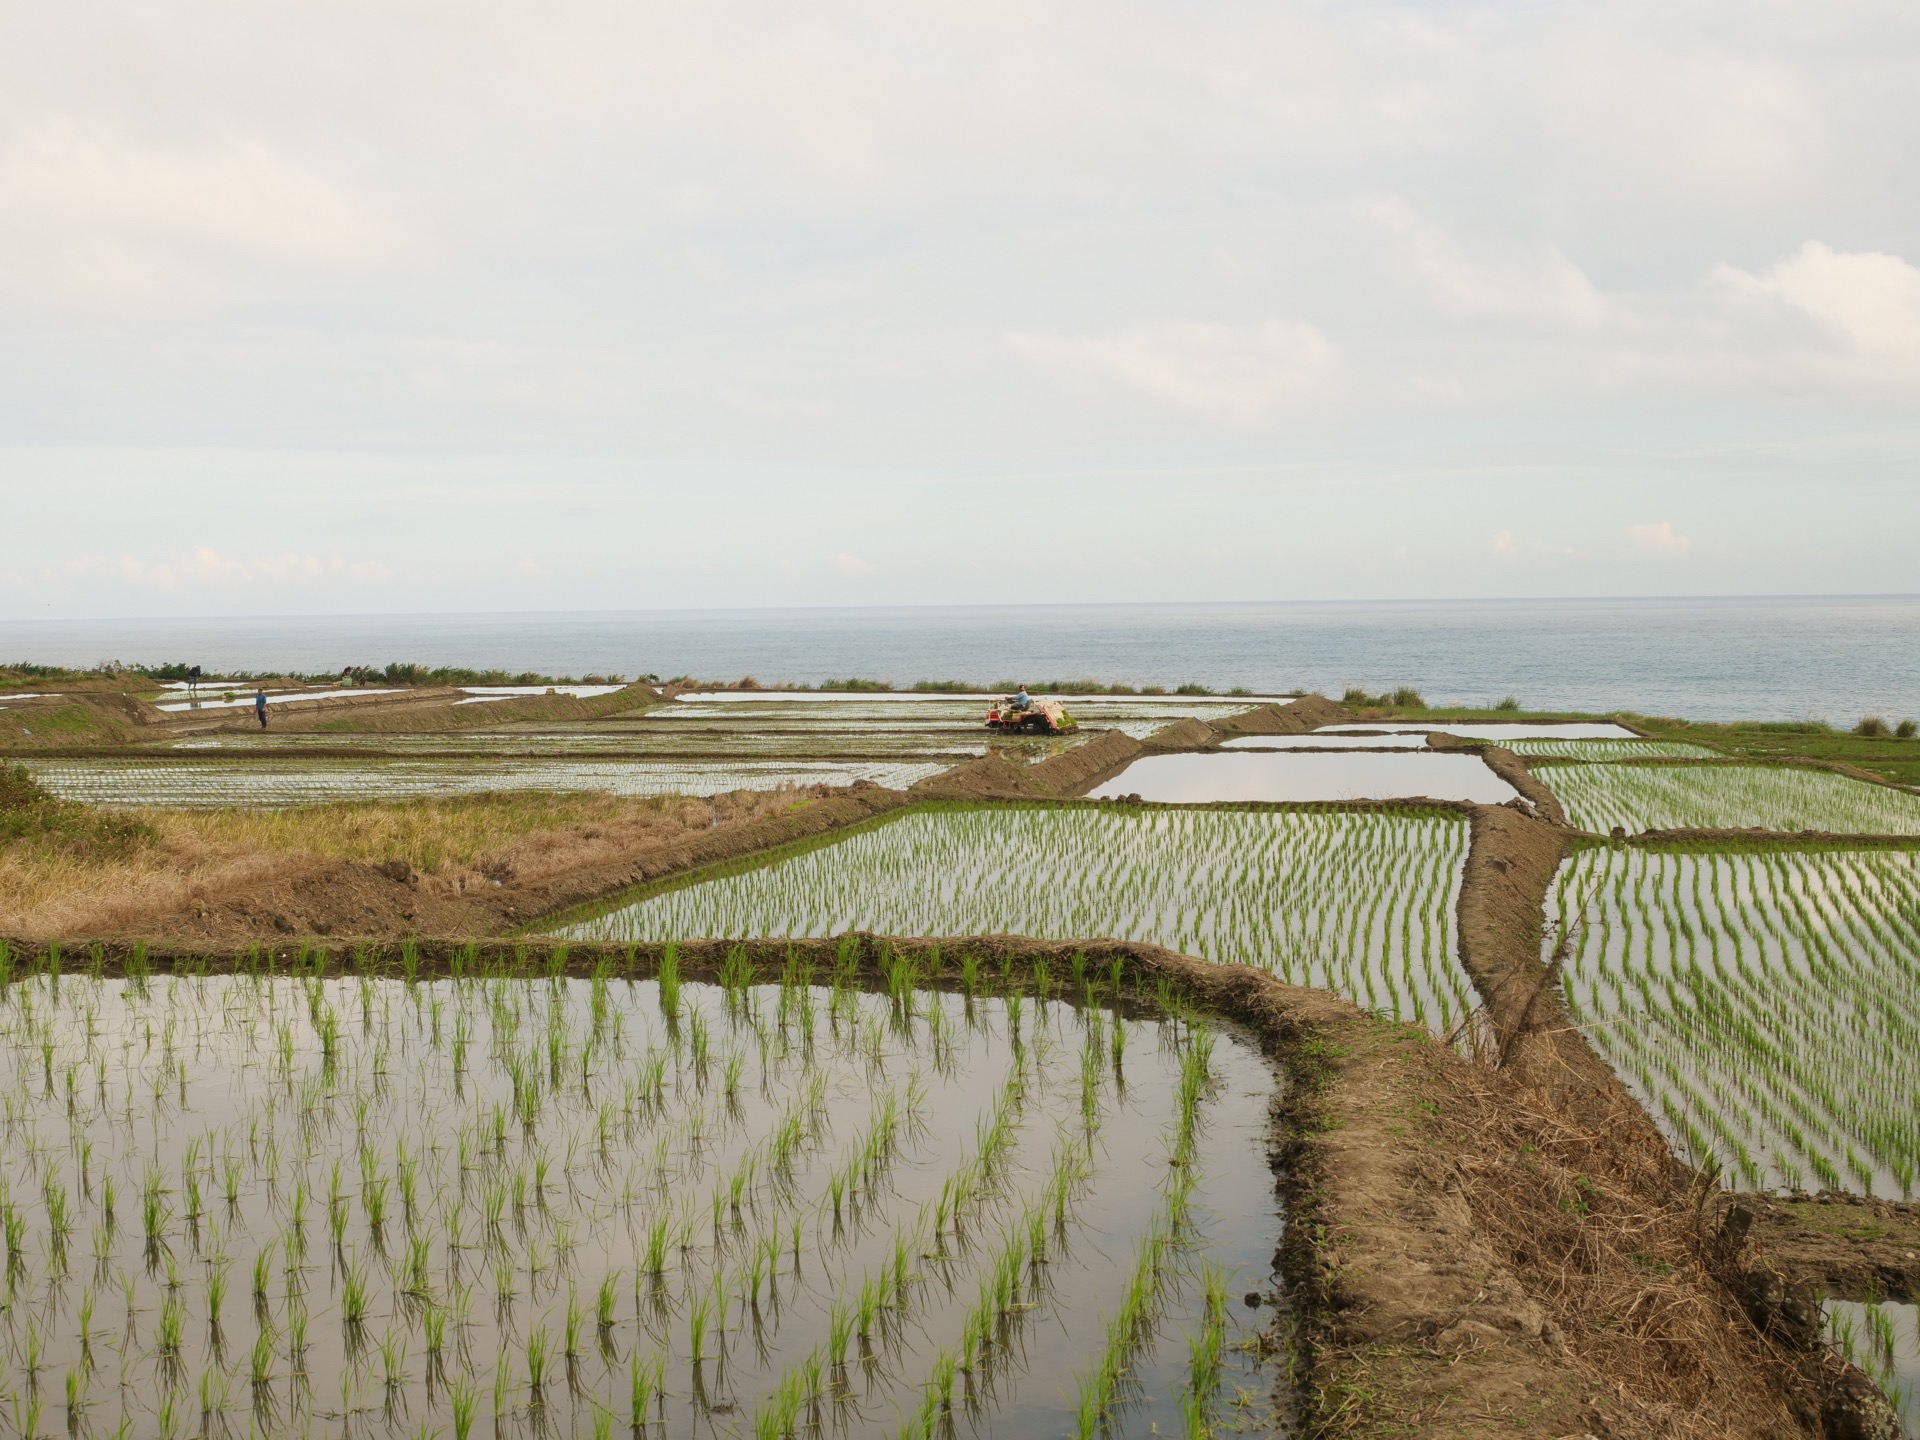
[30,816]
[851,683]
[1511,702]
[1405,698]
[1907,729]
[1872,727]
[1191,689]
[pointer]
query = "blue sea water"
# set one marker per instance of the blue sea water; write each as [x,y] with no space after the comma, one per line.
[1832,658]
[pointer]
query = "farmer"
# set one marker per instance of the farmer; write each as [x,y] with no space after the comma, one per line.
[1022,700]
[193,683]
[260,707]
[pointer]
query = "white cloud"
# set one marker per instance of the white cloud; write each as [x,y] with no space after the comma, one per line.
[1535,284]
[1234,374]
[852,566]
[1867,302]
[1504,545]
[1658,538]
[87,213]
[205,568]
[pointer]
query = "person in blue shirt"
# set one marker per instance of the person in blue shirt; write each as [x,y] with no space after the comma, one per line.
[260,707]
[1022,700]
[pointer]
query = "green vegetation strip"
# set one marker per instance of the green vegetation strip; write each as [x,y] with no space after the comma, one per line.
[1763,1004]
[1360,902]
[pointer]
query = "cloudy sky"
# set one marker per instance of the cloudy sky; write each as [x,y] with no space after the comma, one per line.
[421,306]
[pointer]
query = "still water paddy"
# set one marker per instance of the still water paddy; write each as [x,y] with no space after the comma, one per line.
[301,1206]
[1276,776]
[269,783]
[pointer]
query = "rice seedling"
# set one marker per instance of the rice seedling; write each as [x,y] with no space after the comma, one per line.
[1760,1003]
[378,1134]
[1698,797]
[1360,903]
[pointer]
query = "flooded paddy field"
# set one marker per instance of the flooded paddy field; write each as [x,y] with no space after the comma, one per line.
[1360,903]
[1279,776]
[1639,798]
[1601,751]
[1498,731]
[1762,1005]
[1318,741]
[1882,1337]
[268,783]
[294,1205]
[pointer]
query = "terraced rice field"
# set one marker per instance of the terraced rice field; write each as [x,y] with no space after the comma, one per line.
[1360,903]
[265,782]
[1603,750]
[288,1205]
[1701,797]
[1763,1006]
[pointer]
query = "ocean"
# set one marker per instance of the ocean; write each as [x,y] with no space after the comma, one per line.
[1830,658]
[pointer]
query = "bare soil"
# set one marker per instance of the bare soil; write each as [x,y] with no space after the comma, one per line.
[1850,1246]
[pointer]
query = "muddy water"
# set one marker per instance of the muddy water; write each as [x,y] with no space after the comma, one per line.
[491,1152]
[1279,776]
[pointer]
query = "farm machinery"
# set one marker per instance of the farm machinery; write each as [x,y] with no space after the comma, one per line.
[1023,713]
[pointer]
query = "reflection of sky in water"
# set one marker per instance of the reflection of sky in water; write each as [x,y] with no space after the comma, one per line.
[230,1069]
[248,782]
[1495,730]
[1269,776]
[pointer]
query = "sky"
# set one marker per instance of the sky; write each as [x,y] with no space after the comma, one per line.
[421,306]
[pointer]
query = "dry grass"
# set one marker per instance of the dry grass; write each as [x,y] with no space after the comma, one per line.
[196,855]
[1586,1214]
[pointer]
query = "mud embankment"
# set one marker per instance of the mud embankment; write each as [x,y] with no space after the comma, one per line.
[1733,1309]
[1853,1247]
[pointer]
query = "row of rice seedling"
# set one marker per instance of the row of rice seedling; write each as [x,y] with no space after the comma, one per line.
[1604,750]
[287,1204]
[1360,902]
[260,782]
[1763,1005]
[1713,797]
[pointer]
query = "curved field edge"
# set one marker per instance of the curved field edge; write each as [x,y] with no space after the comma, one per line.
[1462,1255]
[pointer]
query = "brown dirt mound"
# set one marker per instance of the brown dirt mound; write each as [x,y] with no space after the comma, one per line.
[1512,768]
[1182,735]
[991,777]
[1851,1246]
[1080,769]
